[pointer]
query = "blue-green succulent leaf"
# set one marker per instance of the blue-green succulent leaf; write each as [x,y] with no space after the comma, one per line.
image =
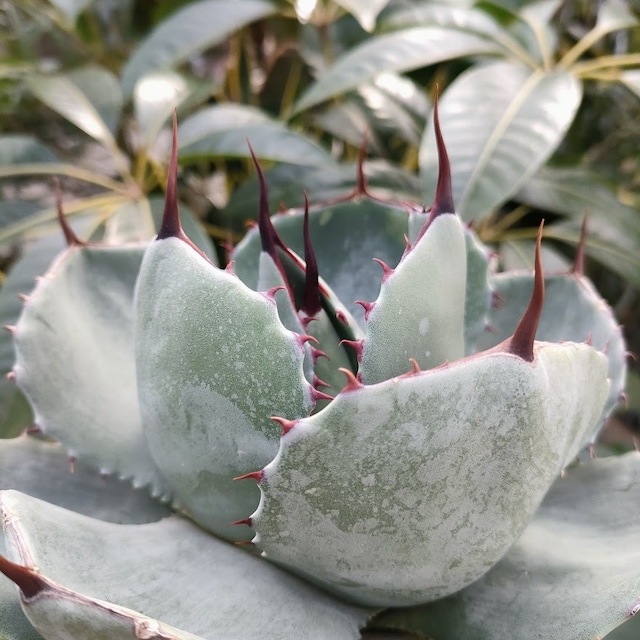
[482,441]
[96,579]
[214,364]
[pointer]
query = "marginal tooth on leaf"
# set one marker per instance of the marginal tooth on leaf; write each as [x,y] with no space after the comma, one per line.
[578,262]
[407,244]
[11,328]
[353,384]
[246,521]
[341,317]
[521,342]
[305,321]
[304,338]
[631,354]
[318,353]
[367,306]
[229,268]
[317,382]
[253,475]
[69,234]
[589,339]
[622,397]
[24,297]
[286,425]
[356,345]
[270,294]
[605,349]
[34,428]
[243,543]
[497,300]
[415,367]
[316,395]
[10,375]
[489,328]
[387,271]
[311,300]
[72,464]
[30,582]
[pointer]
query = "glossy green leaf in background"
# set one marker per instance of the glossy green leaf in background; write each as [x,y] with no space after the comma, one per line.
[225,130]
[501,121]
[189,30]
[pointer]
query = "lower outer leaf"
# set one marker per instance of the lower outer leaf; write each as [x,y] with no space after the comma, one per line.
[100,576]
[408,490]
[574,573]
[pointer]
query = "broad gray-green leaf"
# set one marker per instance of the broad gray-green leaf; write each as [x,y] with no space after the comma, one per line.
[346,238]
[501,121]
[21,149]
[196,27]
[171,570]
[574,573]
[223,131]
[36,257]
[425,322]
[214,364]
[614,15]
[398,51]
[573,311]
[75,360]
[364,11]
[474,448]
[41,468]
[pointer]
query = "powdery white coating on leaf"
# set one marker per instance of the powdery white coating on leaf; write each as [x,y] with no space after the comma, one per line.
[109,580]
[214,364]
[420,311]
[461,458]
[74,360]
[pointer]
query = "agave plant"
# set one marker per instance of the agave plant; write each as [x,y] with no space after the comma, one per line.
[379,437]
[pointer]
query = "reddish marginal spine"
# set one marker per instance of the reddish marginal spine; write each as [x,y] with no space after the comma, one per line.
[171,227]
[246,521]
[353,384]
[285,424]
[30,582]
[356,345]
[253,475]
[69,234]
[521,342]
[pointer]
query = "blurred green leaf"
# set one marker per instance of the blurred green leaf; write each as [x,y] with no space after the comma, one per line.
[224,130]
[196,27]
[71,8]
[398,51]
[613,228]
[501,121]
[22,149]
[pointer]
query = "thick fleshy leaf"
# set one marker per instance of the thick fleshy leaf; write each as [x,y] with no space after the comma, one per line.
[41,468]
[214,364]
[223,131]
[424,323]
[574,573]
[191,29]
[346,238]
[37,255]
[364,11]
[476,445]
[573,311]
[21,149]
[75,360]
[501,121]
[171,570]
[399,51]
